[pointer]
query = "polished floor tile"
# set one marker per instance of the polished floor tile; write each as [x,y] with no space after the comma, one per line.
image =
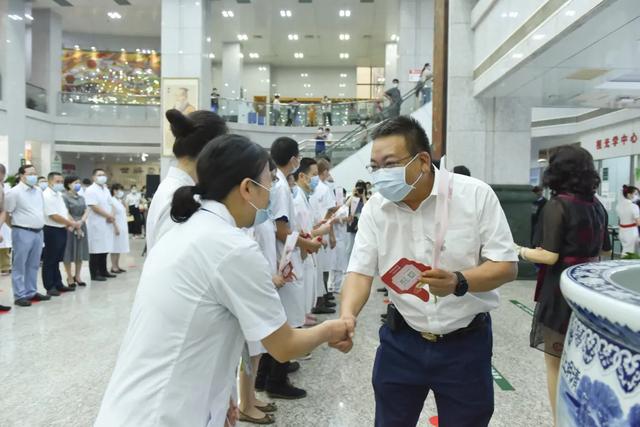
[56,358]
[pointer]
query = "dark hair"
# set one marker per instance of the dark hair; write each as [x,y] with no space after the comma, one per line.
[96,170]
[52,174]
[283,149]
[41,177]
[323,165]
[70,179]
[414,135]
[3,169]
[221,166]
[192,132]
[86,181]
[305,166]
[324,157]
[395,81]
[536,189]
[115,187]
[462,170]
[628,189]
[571,170]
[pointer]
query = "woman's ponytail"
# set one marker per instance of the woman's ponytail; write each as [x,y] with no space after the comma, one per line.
[184,204]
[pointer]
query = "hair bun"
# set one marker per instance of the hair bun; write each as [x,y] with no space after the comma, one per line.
[181,125]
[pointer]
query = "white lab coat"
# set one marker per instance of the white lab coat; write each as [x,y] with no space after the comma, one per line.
[628,213]
[99,232]
[304,222]
[204,289]
[120,242]
[5,231]
[292,294]
[322,200]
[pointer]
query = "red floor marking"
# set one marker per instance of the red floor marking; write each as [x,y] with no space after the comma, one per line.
[5,312]
[434,421]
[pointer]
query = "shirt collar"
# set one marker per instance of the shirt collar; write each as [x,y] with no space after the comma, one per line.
[180,175]
[434,191]
[218,209]
[25,187]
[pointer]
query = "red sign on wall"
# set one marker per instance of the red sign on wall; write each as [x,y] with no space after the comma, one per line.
[615,141]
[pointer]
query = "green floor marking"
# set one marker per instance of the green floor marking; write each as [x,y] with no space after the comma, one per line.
[500,380]
[522,307]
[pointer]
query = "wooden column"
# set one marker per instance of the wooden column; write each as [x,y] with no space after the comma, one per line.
[440,67]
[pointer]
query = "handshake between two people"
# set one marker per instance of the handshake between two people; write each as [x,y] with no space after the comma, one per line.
[341,333]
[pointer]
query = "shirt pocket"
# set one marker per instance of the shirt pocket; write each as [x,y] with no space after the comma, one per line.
[461,247]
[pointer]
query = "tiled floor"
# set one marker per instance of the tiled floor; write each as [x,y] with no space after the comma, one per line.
[56,358]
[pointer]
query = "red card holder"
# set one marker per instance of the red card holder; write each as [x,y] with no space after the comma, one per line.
[403,278]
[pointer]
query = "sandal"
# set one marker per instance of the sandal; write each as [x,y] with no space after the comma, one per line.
[121,270]
[269,407]
[80,283]
[267,419]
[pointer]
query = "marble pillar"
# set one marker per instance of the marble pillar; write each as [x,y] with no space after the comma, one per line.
[390,62]
[47,49]
[232,61]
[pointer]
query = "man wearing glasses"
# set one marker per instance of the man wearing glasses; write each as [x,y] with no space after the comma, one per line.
[443,344]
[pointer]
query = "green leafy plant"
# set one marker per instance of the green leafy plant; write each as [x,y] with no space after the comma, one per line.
[630,255]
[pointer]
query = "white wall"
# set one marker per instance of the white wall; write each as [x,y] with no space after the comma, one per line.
[323,81]
[109,42]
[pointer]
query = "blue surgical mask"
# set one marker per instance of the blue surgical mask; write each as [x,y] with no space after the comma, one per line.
[262,214]
[58,188]
[101,180]
[314,182]
[391,183]
[77,187]
[43,185]
[31,180]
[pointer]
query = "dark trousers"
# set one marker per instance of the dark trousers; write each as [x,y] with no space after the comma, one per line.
[458,371]
[271,372]
[135,226]
[97,265]
[55,241]
[327,119]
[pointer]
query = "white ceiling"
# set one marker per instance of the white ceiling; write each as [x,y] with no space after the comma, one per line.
[608,40]
[320,19]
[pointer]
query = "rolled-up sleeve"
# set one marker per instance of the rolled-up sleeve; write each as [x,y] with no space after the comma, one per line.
[364,257]
[495,235]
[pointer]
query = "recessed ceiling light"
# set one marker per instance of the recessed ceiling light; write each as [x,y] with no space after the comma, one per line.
[93,48]
[570,13]
[344,13]
[304,75]
[15,17]
[76,47]
[208,39]
[241,55]
[517,55]
[114,15]
[292,37]
[513,14]
[123,50]
[228,13]
[341,94]
[285,13]
[254,55]
[344,55]
[342,85]
[344,37]
[343,75]
[28,16]
[212,56]
[243,37]
[298,55]
[394,37]
[138,50]
[539,36]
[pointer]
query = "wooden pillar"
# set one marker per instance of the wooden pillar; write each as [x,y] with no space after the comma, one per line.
[440,65]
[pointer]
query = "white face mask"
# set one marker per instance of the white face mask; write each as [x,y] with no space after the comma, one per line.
[101,179]
[635,197]
[119,194]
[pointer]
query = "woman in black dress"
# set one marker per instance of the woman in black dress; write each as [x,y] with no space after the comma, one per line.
[573,230]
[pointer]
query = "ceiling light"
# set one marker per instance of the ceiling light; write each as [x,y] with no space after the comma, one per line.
[513,14]
[262,68]
[394,37]
[307,85]
[298,55]
[228,13]
[344,37]
[343,75]
[254,55]
[241,55]
[341,94]
[304,75]
[344,55]
[114,15]
[539,36]
[285,13]
[292,37]
[208,39]
[570,13]
[212,56]
[243,37]
[342,85]
[15,17]
[517,55]
[93,48]
[153,51]
[344,13]
[29,17]
[76,47]
[138,50]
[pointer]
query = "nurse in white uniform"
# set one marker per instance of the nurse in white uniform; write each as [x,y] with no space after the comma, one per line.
[192,133]
[204,289]
[629,219]
[121,228]
[100,230]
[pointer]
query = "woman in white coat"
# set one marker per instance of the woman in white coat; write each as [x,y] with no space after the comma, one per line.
[120,226]
[629,219]
[204,289]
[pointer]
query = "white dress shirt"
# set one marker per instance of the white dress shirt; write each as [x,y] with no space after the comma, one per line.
[159,216]
[322,199]
[204,289]
[26,206]
[133,199]
[54,205]
[477,231]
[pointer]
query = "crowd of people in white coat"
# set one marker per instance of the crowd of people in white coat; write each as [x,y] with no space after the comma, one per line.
[53,220]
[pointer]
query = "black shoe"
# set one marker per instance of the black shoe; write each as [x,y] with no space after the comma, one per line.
[109,275]
[329,304]
[293,367]
[40,297]
[4,308]
[99,279]
[73,285]
[383,289]
[114,271]
[64,288]
[53,293]
[321,309]
[386,293]
[383,316]
[81,284]
[285,391]
[22,302]
[329,296]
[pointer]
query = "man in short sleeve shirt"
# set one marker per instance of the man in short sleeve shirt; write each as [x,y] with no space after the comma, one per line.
[445,344]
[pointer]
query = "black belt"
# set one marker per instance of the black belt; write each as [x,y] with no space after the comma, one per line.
[396,323]
[34,230]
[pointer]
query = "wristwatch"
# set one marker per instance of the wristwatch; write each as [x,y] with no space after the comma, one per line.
[463,286]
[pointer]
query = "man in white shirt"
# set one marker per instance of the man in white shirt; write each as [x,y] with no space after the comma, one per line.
[445,344]
[100,229]
[56,222]
[275,110]
[25,205]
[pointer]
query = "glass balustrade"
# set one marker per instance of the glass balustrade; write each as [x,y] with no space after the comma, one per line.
[36,98]
[109,108]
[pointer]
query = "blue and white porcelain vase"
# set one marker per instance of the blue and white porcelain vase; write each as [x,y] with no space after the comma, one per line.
[599,382]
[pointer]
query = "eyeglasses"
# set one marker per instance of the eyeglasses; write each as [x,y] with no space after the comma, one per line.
[398,163]
[273,182]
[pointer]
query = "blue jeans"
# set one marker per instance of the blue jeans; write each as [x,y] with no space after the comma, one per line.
[458,371]
[27,248]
